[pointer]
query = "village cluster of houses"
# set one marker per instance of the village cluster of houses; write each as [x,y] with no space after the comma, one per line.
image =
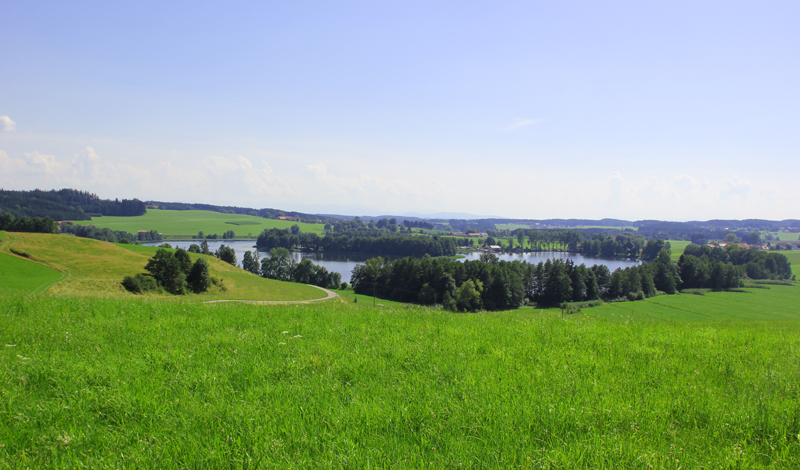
[782,246]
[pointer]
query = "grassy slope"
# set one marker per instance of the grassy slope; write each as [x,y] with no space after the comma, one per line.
[107,383]
[189,223]
[94,267]
[21,275]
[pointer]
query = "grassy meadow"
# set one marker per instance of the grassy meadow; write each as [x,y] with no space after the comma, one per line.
[768,302]
[94,377]
[140,383]
[92,267]
[186,224]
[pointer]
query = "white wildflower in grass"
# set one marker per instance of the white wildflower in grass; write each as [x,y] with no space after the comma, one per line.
[297,336]
[282,344]
[284,332]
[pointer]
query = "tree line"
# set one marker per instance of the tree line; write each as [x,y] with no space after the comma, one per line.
[9,223]
[108,235]
[756,264]
[66,204]
[361,241]
[491,284]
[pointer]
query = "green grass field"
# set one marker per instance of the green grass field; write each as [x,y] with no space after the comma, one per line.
[186,224]
[91,267]
[144,383]
[677,247]
[770,303]
[784,236]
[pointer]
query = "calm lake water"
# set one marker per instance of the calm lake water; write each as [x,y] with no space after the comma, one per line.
[344,263]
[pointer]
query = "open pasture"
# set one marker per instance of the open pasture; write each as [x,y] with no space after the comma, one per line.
[784,236]
[187,224]
[113,383]
[92,267]
[772,302]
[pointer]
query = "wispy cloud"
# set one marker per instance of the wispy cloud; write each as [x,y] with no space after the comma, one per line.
[7,125]
[520,123]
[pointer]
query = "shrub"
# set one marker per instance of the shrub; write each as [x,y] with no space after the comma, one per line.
[131,284]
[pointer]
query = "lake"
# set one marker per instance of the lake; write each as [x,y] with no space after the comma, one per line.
[344,263]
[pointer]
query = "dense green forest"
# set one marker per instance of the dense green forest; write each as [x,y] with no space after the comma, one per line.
[66,204]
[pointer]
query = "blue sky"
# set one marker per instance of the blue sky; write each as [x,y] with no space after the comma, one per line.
[676,111]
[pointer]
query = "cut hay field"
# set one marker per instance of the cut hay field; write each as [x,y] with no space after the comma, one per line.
[92,267]
[186,224]
[144,383]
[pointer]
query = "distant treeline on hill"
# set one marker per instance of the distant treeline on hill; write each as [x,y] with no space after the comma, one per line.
[267,213]
[696,231]
[66,204]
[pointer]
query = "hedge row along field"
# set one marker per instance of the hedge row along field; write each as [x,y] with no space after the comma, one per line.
[114,383]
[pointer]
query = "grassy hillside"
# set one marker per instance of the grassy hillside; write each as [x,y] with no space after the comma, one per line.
[143,383]
[92,267]
[18,274]
[187,223]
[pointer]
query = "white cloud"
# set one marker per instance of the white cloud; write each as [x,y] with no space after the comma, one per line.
[520,122]
[7,125]
[735,188]
[244,174]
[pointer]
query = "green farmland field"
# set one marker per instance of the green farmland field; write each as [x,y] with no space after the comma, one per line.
[145,383]
[187,224]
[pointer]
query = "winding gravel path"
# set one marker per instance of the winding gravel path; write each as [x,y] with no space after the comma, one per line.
[330,295]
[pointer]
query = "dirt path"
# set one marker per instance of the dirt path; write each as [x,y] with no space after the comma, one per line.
[330,295]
